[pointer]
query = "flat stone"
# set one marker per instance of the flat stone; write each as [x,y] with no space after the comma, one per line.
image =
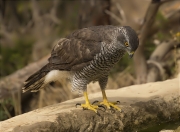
[142,105]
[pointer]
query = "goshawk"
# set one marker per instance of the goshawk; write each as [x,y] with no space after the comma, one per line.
[85,56]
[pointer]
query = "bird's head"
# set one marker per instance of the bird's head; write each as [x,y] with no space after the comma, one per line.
[128,40]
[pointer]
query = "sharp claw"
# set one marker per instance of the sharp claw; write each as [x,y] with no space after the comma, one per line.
[102,106]
[118,102]
[96,101]
[85,108]
[78,104]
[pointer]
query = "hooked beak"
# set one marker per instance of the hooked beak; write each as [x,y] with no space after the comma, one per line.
[131,54]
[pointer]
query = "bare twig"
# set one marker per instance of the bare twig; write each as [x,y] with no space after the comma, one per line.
[5,109]
[162,50]
[113,16]
[54,11]
[35,10]
[121,12]
[170,14]
[15,103]
[121,20]
[55,7]
[6,34]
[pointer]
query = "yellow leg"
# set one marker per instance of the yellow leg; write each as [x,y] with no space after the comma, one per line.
[87,104]
[108,104]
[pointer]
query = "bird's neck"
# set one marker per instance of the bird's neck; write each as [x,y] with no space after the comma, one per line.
[111,50]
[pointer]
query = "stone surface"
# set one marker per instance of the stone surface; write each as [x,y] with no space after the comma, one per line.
[142,105]
[178,129]
[167,131]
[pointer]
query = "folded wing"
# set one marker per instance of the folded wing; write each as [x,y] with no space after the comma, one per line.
[76,51]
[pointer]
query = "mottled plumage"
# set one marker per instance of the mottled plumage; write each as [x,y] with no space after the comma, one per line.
[86,55]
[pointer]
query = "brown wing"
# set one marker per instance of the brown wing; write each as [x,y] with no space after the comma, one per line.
[94,33]
[75,51]
[79,48]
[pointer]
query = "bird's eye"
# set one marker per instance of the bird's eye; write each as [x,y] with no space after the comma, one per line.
[126,43]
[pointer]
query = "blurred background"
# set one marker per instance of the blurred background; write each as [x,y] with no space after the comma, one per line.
[30,28]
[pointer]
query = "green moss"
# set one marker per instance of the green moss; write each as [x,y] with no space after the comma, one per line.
[162,35]
[149,48]
[8,104]
[161,20]
[16,57]
[162,23]
[69,19]
[158,127]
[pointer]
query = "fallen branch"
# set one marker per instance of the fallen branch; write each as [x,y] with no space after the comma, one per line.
[156,71]
[14,82]
[10,86]
[142,105]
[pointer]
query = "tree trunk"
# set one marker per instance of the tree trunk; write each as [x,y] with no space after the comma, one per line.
[139,58]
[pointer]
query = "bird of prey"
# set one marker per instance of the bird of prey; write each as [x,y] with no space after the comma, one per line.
[85,56]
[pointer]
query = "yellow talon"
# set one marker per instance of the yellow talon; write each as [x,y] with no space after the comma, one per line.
[108,104]
[90,107]
[87,105]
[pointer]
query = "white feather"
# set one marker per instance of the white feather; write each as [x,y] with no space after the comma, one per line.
[56,75]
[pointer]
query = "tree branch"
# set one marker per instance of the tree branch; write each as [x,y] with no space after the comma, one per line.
[35,10]
[52,14]
[14,82]
[122,19]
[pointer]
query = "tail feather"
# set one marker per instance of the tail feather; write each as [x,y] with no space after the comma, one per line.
[36,81]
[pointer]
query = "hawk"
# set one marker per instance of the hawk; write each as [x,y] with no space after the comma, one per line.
[85,56]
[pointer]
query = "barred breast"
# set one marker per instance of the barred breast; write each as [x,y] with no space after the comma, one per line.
[97,69]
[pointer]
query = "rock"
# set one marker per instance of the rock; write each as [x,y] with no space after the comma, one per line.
[142,105]
[167,131]
[178,129]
